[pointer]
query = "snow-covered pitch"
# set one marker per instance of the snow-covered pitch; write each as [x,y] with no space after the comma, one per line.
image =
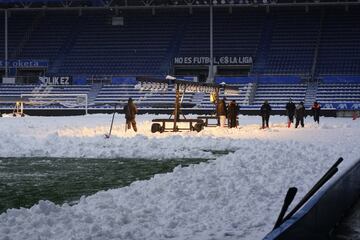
[235,196]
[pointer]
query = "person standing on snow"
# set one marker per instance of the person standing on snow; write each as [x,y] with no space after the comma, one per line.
[290,111]
[221,112]
[233,111]
[130,111]
[300,114]
[265,111]
[316,111]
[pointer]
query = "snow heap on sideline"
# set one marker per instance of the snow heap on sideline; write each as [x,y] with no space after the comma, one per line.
[237,196]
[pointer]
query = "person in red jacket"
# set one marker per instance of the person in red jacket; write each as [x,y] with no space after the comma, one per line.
[316,111]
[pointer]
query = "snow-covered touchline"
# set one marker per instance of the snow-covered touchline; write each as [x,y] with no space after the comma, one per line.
[236,196]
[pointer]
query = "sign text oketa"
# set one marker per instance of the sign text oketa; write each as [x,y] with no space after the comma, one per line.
[25,63]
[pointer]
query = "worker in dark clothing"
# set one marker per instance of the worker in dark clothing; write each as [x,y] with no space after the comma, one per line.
[221,112]
[233,111]
[290,111]
[130,111]
[316,111]
[300,114]
[265,111]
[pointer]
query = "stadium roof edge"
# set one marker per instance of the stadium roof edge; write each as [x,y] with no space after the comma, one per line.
[63,5]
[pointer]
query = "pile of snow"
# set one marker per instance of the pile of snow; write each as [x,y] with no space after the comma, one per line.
[237,196]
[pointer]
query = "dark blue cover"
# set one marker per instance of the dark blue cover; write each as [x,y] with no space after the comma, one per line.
[80,79]
[123,80]
[341,79]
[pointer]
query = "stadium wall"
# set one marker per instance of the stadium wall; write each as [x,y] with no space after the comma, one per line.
[260,79]
[81,111]
[324,210]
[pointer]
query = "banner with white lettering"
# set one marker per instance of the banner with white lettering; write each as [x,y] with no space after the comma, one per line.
[341,106]
[55,80]
[222,60]
[24,63]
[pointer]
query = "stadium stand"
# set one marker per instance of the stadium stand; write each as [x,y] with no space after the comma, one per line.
[10,93]
[231,36]
[279,94]
[139,47]
[339,95]
[111,94]
[288,45]
[283,41]
[243,98]
[290,42]
[339,56]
